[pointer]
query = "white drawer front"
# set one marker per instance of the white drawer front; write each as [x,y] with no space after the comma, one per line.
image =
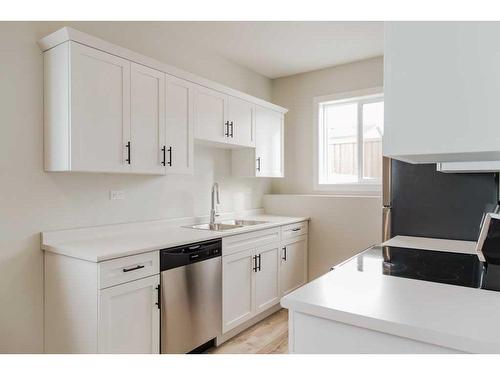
[294,230]
[121,270]
[252,240]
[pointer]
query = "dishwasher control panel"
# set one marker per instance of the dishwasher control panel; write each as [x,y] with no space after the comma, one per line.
[186,254]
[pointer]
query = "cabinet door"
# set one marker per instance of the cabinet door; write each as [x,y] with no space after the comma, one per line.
[100,110]
[267,292]
[179,150]
[240,117]
[237,289]
[210,115]
[269,143]
[129,317]
[147,119]
[293,270]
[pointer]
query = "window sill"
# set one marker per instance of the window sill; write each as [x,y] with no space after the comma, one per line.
[374,189]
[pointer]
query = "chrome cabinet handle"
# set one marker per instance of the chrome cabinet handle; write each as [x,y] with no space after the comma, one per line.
[284,253]
[258,163]
[295,229]
[163,150]
[133,268]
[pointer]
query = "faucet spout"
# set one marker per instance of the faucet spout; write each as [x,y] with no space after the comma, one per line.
[215,202]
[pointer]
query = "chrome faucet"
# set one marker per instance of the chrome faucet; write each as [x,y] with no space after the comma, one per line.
[215,202]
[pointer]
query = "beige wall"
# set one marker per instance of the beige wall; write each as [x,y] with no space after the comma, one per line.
[32,201]
[296,93]
[340,225]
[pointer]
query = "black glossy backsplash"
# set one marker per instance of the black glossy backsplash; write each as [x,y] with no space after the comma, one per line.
[429,203]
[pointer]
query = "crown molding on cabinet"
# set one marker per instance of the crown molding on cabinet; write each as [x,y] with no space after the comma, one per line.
[68,33]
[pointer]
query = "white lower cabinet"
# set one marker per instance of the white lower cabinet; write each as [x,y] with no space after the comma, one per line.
[104,307]
[257,271]
[250,284]
[129,317]
[293,267]
[267,278]
[237,290]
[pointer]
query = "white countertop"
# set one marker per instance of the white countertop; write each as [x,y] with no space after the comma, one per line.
[96,244]
[465,319]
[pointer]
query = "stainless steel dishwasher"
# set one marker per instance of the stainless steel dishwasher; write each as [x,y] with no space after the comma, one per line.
[191,296]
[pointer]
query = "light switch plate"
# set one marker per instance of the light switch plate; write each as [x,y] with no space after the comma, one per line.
[116,195]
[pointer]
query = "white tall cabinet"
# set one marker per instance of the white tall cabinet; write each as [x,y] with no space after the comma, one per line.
[441,84]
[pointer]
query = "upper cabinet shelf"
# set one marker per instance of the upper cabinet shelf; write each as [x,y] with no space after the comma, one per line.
[109,109]
[441,85]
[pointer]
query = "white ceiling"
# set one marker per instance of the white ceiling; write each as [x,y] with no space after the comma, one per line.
[277,49]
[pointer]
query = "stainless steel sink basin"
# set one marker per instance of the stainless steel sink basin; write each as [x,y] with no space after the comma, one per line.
[243,223]
[226,225]
[216,226]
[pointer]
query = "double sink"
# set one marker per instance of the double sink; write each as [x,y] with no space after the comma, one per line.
[226,225]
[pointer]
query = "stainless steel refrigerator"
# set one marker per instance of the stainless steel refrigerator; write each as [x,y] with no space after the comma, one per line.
[386,199]
[420,201]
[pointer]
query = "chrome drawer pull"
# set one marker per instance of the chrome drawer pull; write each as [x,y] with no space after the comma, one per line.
[295,229]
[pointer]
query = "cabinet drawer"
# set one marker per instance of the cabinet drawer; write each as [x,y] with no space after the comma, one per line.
[252,240]
[293,230]
[121,270]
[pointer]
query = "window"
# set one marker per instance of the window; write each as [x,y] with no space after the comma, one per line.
[349,141]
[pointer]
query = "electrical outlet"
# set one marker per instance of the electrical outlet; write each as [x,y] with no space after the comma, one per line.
[116,195]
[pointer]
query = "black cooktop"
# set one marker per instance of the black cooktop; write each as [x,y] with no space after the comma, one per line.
[428,265]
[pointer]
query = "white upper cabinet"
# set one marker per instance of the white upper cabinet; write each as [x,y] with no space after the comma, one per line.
[269,143]
[266,159]
[441,85]
[209,115]
[179,146]
[240,117]
[147,120]
[109,109]
[223,119]
[88,130]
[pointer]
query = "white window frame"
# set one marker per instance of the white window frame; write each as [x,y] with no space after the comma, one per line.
[362,186]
